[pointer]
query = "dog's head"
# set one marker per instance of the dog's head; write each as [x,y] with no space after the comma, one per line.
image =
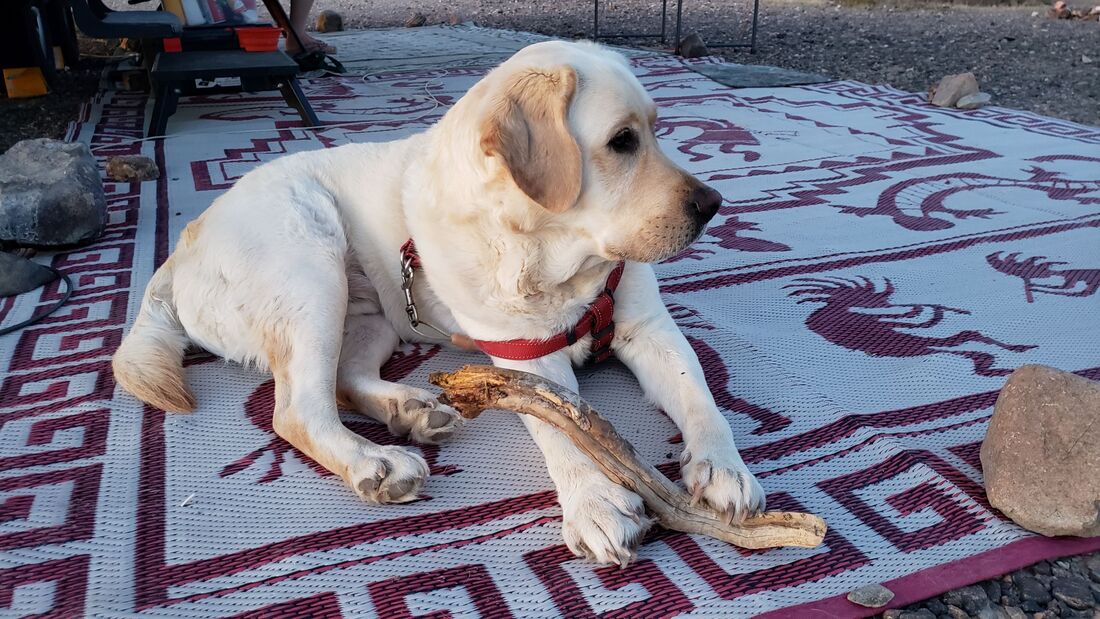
[569,128]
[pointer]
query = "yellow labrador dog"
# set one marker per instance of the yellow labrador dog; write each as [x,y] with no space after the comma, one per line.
[542,189]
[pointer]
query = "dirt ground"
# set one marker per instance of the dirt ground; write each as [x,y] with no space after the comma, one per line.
[1034,63]
[50,115]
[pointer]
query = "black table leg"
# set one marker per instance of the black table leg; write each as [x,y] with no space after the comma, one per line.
[167,95]
[596,20]
[679,14]
[664,21]
[755,13]
[296,99]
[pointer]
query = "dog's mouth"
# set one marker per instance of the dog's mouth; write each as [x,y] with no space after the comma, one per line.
[658,248]
[698,234]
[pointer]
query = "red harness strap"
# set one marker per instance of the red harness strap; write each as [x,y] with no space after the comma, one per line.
[597,320]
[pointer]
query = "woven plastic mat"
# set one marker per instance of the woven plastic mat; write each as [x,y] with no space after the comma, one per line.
[857,304]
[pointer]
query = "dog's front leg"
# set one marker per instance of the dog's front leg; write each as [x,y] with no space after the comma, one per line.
[650,343]
[600,520]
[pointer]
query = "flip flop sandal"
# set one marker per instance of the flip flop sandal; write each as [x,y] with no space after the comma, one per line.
[318,61]
[321,46]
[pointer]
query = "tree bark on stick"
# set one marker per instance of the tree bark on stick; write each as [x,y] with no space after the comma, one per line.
[476,388]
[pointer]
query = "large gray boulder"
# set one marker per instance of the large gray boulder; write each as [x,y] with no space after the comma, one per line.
[50,194]
[1041,453]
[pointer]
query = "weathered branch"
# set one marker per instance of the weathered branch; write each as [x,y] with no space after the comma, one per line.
[476,388]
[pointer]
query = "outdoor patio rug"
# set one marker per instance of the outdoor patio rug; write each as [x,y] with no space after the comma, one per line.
[857,304]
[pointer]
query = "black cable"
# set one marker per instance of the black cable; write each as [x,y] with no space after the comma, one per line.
[33,319]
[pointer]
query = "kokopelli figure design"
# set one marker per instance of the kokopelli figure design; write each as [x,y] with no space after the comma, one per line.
[859,316]
[728,137]
[1065,282]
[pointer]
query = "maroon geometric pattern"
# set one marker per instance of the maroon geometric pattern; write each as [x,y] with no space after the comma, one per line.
[876,268]
[56,588]
[474,580]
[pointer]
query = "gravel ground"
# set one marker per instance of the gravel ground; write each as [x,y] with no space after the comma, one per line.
[1034,63]
[49,116]
[1062,588]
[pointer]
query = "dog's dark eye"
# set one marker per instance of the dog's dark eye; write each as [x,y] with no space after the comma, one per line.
[624,142]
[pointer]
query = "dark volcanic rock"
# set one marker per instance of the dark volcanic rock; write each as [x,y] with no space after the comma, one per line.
[50,194]
[1073,591]
[1034,597]
[971,599]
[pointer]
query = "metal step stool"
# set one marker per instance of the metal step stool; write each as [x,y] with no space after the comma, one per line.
[174,73]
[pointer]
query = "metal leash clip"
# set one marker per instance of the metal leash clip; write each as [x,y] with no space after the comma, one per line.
[407,274]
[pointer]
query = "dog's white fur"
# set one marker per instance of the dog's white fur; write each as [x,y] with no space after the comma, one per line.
[520,209]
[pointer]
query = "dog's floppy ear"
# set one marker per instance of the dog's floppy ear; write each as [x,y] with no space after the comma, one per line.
[527,128]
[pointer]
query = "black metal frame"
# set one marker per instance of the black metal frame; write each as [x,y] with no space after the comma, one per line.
[596,35]
[94,20]
[271,71]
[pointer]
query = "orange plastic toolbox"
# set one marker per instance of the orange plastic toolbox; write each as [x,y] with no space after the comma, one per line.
[259,38]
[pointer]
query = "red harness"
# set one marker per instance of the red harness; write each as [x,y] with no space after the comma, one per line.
[597,321]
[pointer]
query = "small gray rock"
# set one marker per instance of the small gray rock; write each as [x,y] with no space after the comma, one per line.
[871,596]
[893,613]
[50,194]
[957,613]
[1033,595]
[132,169]
[1073,591]
[1014,613]
[951,88]
[936,606]
[1092,564]
[1042,450]
[693,47]
[923,613]
[992,612]
[329,21]
[992,590]
[974,101]
[971,599]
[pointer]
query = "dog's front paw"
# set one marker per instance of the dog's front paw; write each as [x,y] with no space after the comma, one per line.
[428,421]
[422,418]
[387,474]
[603,522]
[721,479]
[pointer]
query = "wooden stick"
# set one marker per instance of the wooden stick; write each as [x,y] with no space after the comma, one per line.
[476,388]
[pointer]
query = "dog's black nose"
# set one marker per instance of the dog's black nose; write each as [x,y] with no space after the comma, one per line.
[704,202]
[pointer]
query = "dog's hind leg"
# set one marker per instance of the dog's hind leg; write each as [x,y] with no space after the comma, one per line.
[302,349]
[369,340]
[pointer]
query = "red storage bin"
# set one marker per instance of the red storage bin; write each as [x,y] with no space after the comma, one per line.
[259,38]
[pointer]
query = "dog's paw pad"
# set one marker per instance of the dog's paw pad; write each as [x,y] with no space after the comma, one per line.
[429,421]
[388,475]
